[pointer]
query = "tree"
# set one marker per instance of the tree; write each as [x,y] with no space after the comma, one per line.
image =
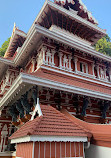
[4,47]
[104,45]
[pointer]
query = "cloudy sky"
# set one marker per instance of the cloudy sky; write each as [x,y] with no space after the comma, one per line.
[24,12]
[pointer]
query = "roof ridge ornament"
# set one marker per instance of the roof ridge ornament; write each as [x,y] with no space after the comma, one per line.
[79,6]
[37,110]
[14,29]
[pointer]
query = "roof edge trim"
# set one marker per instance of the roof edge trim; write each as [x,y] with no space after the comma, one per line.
[49,139]
[76,17]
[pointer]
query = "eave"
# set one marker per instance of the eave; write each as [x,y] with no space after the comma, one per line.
[16,41]
[50,7]
[100,132]
[49,139]
[66,41]
[26,81]
[4,63]
[75,17]
[37,32]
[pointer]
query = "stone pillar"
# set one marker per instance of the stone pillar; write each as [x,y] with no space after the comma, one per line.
[43,51]
[86,68]
[70,69]
[98,71]
[75,61]
[60,59]
[48,57]
[93,66]
[53,53]
[105,74]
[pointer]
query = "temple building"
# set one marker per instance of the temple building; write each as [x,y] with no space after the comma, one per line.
[55,88]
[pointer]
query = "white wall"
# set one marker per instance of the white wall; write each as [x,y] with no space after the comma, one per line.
[98,152]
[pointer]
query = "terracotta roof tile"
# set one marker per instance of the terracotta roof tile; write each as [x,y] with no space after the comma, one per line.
[69,80]
[99,131]
[52,123]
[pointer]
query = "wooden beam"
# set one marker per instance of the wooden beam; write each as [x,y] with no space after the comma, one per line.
[89,36]
[44,22]
[82,30]
[84,33]
[50,10]
[71,25]
[47,19]
[62,20]
[56,17]
[67,22]
[76,28]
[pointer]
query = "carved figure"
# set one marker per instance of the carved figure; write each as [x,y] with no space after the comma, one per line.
[57,99]
[13,113]
[20,109]
[25,104]
[106,105]
[34,95]
[84,107]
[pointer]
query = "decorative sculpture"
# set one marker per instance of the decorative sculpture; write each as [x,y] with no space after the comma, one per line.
[13,113]
[20,109]
[84,107]
[57,99]
[10,147]
[105,108]
[76,103]
[35,95]
[25,104]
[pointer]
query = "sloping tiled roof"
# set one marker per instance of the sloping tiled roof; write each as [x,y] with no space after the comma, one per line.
[101,133]
[69,80]
[52,123]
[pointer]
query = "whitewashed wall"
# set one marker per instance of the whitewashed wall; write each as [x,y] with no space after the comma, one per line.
[98,152]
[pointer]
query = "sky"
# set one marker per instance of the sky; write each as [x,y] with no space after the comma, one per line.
[24,12]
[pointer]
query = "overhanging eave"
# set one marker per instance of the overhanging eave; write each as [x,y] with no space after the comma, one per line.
[28,79]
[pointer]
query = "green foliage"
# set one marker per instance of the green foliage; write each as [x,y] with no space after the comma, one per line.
[4,47]
[104,45]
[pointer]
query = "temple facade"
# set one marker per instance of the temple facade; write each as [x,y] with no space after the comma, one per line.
[55,88]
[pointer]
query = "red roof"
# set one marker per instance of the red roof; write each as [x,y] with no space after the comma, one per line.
[52,123]
[69,80]
[101,133]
